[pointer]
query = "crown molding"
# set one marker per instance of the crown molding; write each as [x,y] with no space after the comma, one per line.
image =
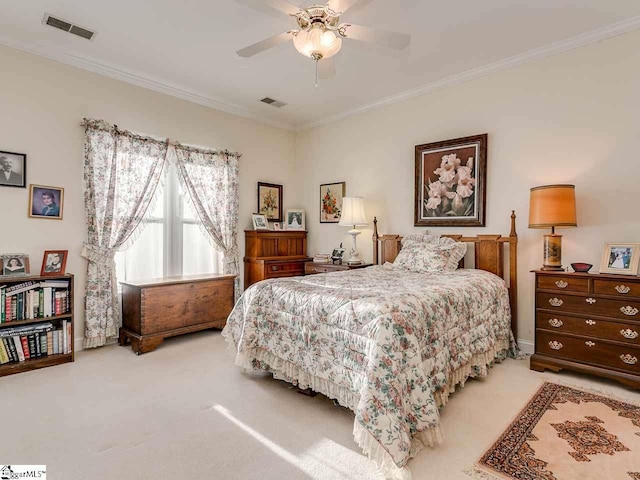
[144,82]
[571,43]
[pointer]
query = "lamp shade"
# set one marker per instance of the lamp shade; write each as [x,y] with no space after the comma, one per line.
[353,212]
[552,206]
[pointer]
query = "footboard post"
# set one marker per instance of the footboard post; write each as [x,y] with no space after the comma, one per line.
[375,240]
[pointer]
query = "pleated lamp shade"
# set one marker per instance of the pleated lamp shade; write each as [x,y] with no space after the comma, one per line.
[353,212]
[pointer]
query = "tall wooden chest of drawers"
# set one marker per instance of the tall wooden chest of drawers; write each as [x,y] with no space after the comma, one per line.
[274,254]
[589,323]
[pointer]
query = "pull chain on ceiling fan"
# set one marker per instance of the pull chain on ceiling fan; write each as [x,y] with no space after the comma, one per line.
[320,32]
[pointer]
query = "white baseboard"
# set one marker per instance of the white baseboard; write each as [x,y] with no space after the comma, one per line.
[77,344]
[526,346]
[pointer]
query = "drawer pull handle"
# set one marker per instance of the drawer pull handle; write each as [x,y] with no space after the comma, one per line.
[628,333]
[555,345]
[628,359]
[561,284]
[590,322]
[274,268]
[589,343]
[622,289]
[555,302]
[554,322]
[629,310]
[591,301]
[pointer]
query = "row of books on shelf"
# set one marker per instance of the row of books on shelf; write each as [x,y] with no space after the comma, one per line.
[34,299]
[26,342]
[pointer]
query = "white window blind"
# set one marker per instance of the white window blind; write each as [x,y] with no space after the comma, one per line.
[172,243]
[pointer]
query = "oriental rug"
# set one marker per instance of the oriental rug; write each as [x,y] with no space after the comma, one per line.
[565,433]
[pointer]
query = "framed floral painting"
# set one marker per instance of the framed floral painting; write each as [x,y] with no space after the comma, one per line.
[270,201]
[331,201]
[451,179]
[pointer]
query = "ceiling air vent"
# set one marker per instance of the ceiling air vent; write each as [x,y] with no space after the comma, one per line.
[68,27]
[272,102]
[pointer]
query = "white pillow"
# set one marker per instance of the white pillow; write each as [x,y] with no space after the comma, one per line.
[430,257]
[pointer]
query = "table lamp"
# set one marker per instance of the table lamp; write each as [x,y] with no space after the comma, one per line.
[552,206]
[353,216]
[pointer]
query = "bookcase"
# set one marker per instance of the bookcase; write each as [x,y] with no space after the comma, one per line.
[36,322]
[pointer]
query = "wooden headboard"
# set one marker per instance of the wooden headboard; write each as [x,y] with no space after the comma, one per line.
[489,256]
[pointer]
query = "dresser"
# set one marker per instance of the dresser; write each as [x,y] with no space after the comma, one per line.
[589,323]
[313,267]
[153,310]
[274,254]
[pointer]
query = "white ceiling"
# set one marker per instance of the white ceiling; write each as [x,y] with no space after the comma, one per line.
[187,48]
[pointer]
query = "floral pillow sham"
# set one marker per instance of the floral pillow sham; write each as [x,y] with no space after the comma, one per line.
[430,257]
[426,238]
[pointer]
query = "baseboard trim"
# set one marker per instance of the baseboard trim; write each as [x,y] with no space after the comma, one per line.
[526,346]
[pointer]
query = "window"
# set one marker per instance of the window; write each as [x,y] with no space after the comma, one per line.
[172,243]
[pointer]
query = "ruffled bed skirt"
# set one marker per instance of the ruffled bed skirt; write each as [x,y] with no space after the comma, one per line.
[281,369]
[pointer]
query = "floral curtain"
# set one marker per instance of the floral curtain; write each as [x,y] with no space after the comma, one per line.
[121,173]
[212,180]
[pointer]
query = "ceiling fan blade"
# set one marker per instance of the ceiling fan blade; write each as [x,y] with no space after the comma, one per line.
[344,5]
[265,44]
[326,68]
[268,6]
[397,41]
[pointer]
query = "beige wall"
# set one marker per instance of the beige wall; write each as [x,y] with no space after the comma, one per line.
[571,118]
[41,106]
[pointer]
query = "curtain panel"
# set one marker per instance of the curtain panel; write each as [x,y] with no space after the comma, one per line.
[121,173]
[212,180]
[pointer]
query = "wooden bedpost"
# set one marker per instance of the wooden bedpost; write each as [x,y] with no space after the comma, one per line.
[513,275]
[375,240]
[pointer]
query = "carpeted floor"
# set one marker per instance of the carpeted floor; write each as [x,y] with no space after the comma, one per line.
[185,411]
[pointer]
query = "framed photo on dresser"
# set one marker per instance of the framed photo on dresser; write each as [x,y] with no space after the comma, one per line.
[621,258]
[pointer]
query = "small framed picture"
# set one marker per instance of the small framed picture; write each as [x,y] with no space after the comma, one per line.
[13,169]
[14,264]
[331,201]
[295,220]
[620,258]
[277,226]
[46,202]
[336,255]
[260,222]
[270,201]
[54,262]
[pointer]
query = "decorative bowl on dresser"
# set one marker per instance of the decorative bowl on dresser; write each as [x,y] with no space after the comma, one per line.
[273,254]
[588,323]
[155,309]
[315,267]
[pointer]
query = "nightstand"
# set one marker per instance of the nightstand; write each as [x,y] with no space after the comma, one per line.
[312,267]
[589,323]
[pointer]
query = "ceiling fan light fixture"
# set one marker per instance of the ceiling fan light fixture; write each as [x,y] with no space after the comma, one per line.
[317,42]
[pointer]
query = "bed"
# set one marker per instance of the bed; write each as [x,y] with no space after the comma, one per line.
[389,344]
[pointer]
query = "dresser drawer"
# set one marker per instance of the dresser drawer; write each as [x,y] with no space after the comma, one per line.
[563,284]
[283,269]
[620,288]
[590,305]
[318,268]
[621,332]
[593,351]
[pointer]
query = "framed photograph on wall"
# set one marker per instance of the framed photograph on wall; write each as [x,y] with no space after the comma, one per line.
[270,201]
[14,264]
[46,202]
[294,220]
[620,258]
[450,182]
[54,262]
[331,201]
[13,169]
[260,222]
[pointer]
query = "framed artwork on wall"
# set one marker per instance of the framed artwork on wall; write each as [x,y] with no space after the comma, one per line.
[331,201]
[46,202]
[13,169]
[54,262]
[294,220]
[621,258]
[270,201]
[14,264]
[450,182]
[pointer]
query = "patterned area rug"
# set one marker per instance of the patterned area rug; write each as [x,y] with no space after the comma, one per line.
[567,434]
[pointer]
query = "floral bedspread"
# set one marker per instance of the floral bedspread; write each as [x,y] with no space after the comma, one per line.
[388,344]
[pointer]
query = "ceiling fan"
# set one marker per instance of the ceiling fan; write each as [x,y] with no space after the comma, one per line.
[320,32]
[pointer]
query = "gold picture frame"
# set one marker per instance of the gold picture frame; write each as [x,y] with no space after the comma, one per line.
[46,202]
